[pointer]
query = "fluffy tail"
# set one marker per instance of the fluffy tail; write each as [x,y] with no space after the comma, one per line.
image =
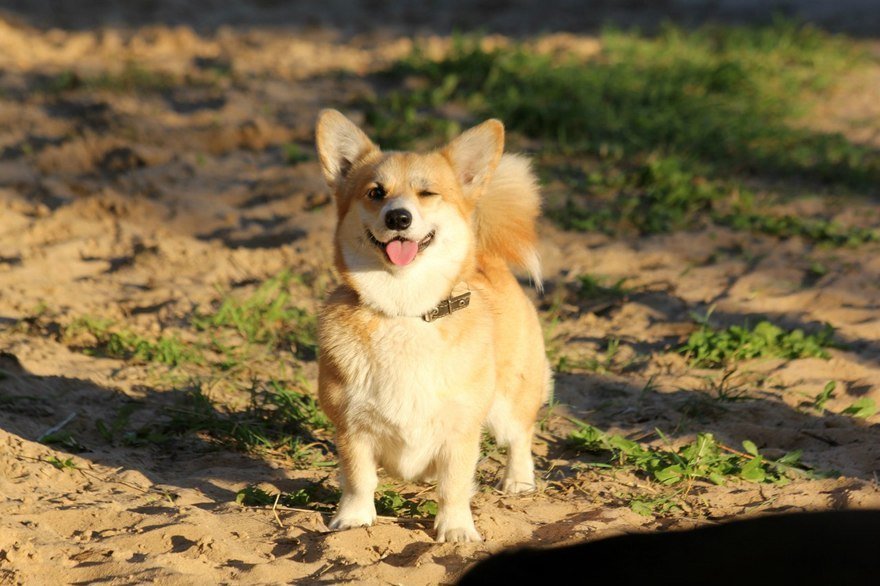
[506,214]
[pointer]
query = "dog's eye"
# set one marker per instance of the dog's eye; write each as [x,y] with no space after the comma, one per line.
[377,192]
[427,193]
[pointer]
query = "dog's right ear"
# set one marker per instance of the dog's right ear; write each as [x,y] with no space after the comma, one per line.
[341,144]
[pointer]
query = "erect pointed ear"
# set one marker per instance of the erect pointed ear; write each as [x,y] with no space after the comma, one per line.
[341,144]
[475,154]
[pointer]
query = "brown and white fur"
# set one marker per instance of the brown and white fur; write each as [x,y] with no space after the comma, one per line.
[410,395]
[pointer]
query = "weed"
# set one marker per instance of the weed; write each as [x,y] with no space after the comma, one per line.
[393,504]
[267,317]
[276,419]
[119,423]
[63,439]
[671,117]
[662,505]
[725,388]
[825,395]
[592,287]
[862,408]
[818,230]
[61,464]
[133,77]
[719,94]
[595,364]
[702,459]
[125,344]
[314,496]
[708,347]
[294,154]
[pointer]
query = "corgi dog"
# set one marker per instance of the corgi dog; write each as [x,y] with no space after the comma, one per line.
[430,336]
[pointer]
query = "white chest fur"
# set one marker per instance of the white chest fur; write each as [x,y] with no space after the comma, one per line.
[410,388]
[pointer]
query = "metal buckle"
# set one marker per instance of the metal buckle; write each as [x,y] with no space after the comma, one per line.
[447,306]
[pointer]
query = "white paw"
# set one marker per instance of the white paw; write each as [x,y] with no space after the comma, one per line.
[349,517]
[458,535]
[513,486]
[460,530]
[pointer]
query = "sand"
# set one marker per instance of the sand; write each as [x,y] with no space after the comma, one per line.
[141,206]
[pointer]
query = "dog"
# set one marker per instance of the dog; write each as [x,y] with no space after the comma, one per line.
[807,549]
[430,336]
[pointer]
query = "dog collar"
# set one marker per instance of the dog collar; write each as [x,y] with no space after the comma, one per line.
[448,306]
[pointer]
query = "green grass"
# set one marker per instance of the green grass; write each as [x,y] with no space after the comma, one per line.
[133,77]
[709,347]
[721,95]
[702,459]
[66,464]
[267,317]
[818,230]
[594,287]
[667,124]
[825,395]
[107,339]
[600,364]
[392,503]
[294,154]
[314,496]
[276,419]
[388,501]
[659,195]
[861,408]
[241,349]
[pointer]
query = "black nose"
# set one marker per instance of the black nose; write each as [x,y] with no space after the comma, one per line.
[398,219]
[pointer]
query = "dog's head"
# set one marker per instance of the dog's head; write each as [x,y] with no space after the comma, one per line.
[405,232]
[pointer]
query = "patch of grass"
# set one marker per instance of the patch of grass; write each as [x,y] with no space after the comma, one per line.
[825,395]
[276,419]
[702,459]
[294,154]
[708,347]
[663,505]
[108,340]
[593,287]
[662,194]
[597,364]
[133,77]
[391,503]
[314,496]
[64,439]
[717,94]
[672,119]
[818,230]
[861,408]
[267,317]
[65,464]
[726,388]
[117,430]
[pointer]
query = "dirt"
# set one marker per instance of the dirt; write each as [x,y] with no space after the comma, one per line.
[141,205]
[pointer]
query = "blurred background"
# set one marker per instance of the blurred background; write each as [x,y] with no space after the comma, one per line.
[518,17]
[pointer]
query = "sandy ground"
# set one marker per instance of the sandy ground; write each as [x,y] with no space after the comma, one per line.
[139,207]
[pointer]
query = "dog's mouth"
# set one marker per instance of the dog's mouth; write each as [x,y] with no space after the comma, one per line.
[399,250]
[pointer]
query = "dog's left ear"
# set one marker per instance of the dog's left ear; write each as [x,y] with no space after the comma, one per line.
[341,144]
[475,154]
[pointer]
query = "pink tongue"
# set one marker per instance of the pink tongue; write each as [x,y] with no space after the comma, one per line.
[402,252]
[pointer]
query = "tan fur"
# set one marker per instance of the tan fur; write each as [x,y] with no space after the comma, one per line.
[406,394]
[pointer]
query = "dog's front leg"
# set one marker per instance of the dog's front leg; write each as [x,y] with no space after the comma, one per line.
[455,467]
[358,479]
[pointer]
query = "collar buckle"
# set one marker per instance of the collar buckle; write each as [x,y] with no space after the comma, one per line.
[448,306]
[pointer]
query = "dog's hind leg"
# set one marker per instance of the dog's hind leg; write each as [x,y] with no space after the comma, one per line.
[519,475]
[358,478]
